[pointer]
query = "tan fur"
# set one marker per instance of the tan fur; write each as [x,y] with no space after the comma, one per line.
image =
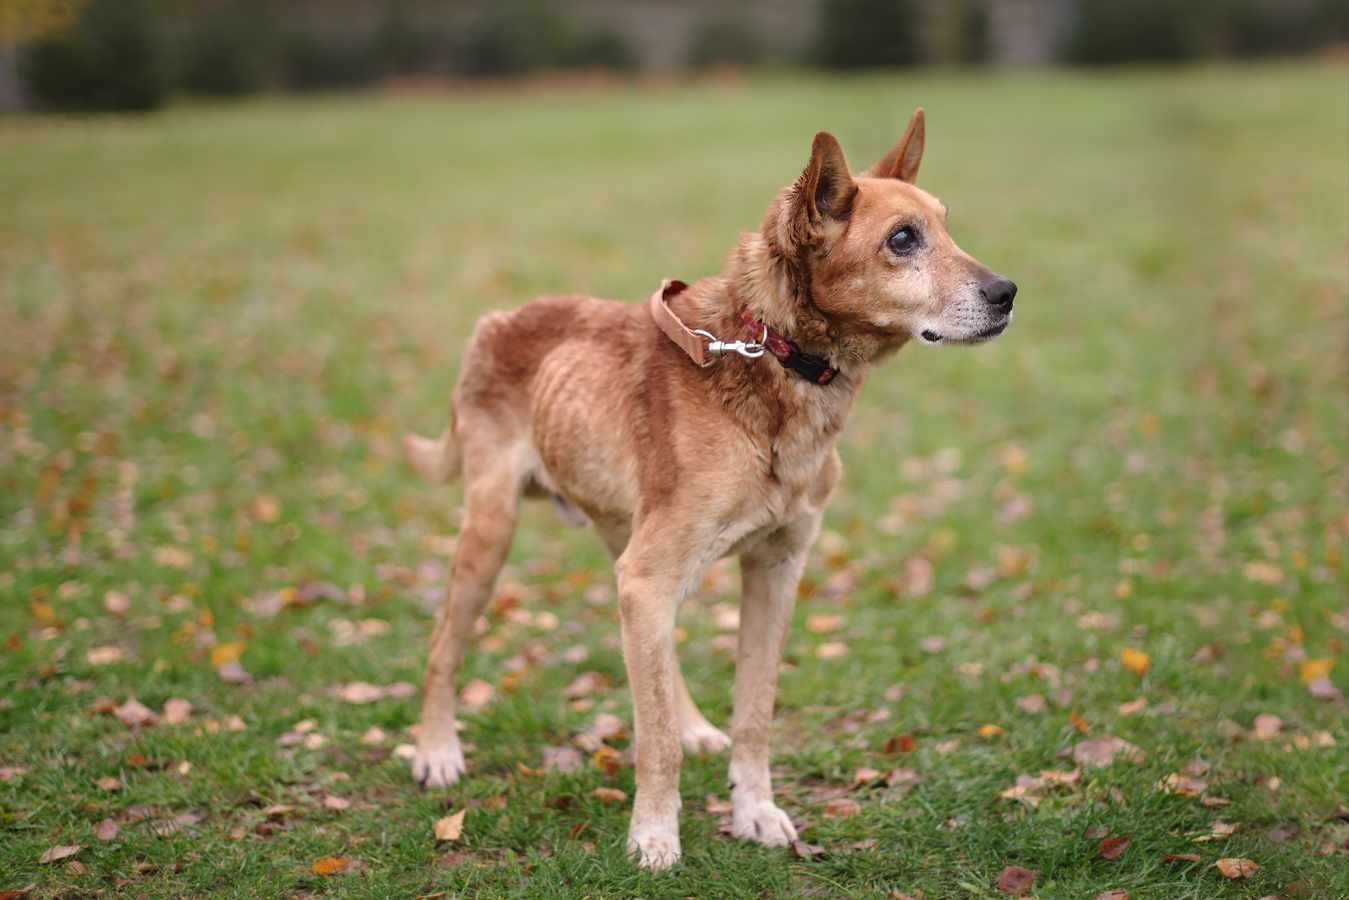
[678,466]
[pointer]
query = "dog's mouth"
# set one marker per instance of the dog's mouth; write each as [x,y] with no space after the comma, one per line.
[928,336]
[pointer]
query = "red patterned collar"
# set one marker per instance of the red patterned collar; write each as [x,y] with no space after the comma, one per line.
[815,369]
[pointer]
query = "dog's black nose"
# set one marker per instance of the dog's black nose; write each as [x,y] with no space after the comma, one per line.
[1000,292]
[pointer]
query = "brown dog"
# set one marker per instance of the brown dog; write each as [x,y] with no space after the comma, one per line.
[599,405]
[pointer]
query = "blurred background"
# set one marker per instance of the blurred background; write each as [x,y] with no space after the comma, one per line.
[134,54]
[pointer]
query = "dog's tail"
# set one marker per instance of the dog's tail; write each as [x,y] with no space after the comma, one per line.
[437,459]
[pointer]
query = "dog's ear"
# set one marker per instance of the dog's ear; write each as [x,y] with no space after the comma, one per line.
[825,189]
[903,159]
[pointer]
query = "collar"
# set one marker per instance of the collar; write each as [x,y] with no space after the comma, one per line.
[704,348]
[815,369]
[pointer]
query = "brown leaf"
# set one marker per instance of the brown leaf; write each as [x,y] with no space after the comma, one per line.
[1181,857]
[1112,848]
[1236,867]
[717,806]
[451,827]
[330,865]
[1102,751]
[608,795]
[1134,660]
[116,603]
[1133,707]
[1266,727]
[831,650]
[584,685]
[562,759]
[806,851]
[1112,895]
[106,830]
[1032,704]
[176,711]
[900,743]
[336,803]
[109,783]
[823,623]
[1015,880]
[10,773]
[134,714]
[842,808]
[106,655]
[233,673]
[1324,689]
[58,853]
[865,776]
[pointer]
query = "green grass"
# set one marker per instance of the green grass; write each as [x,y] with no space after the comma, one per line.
[218,304]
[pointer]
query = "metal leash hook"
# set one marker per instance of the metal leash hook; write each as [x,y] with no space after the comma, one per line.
[749,350]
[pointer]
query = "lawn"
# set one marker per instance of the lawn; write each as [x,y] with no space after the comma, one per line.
[1124,519]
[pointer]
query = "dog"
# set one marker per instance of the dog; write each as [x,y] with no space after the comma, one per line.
[698,425]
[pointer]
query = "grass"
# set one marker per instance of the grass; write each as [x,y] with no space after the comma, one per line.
[217,320]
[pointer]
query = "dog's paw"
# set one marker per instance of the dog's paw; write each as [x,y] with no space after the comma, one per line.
[702,737]
[655,847]
[762,822]
[439,766]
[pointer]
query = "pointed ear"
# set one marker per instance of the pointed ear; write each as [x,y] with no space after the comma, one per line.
[825,188]
[903,160]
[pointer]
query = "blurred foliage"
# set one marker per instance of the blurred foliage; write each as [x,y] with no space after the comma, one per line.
[724,42]
[228,51]
[525,35]
[113,58]
[1107,32]
[854,34]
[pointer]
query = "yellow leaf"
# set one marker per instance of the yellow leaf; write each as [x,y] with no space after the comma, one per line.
[226,653]
[1311,669]
[330,865]
[451,827]
[1135,661]
[991,731]
[44,613]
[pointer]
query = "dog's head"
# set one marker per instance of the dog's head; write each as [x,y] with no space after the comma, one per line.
[876,254]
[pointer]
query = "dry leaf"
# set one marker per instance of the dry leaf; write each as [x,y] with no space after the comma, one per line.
[134,714]
[330,865]
[1032,704]
[476,694]
[10,773]
[1236,867]
[1135,661]
[1112,848]
[561,759]
[1263,572]
[1266,727]
[102,656]
[359,692]
[106,830]
[176,711]
[1112,895]
[373,735]
[1184,785]
[335,803]
[1181,857]
[1078,722]
[116,603]
[900,743]
[802,850]
[608,795]
[1311,669]
[58,853]
[831,650]
[1102,751]
[1015,880]
[991,731]
[584,685]
[823,623]
[233,673]
[1133,707]
[451,827]
[226,653]
[842,808]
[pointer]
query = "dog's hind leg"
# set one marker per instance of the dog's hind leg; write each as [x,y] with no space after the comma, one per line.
[494,480]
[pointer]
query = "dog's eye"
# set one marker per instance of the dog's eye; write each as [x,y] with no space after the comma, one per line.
[904,240]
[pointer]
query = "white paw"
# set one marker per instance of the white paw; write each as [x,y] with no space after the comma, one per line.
[762,822]
[439,766]
[701,737]
[655,846]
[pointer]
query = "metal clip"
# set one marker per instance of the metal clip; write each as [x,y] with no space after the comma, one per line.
[747,349]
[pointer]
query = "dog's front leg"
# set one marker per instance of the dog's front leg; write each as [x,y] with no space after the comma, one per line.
[650,588]
[769,574]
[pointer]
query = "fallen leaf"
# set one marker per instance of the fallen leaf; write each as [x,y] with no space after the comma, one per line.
[562,759]
[116,603]
[991,731]
[1112,895]
[831,650]
[1236,867]
[373,735]
[109,783]
[1266,727]
[176,711]
[172,557]
[330,865]
[335,803]
[360,692]
[1032,704]
[900,743]
[226,653]
[10,773]
[58,853]
[134,714]
[802,850]
[476,694]
[1078,722]
[106,655]
[584,685]
[1135,661]
[1184,785]
[1112,848]
[266,508]
[1311,669]
[1102,751]
[822,623]
[405,751]
[233,673]
[451,827]
[1324,689]
[842,808]
[1181,857]
[106,830]
[1015,880]
[1133,707]
[1263,572]
[865,776]
[608,795]
[933,644]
